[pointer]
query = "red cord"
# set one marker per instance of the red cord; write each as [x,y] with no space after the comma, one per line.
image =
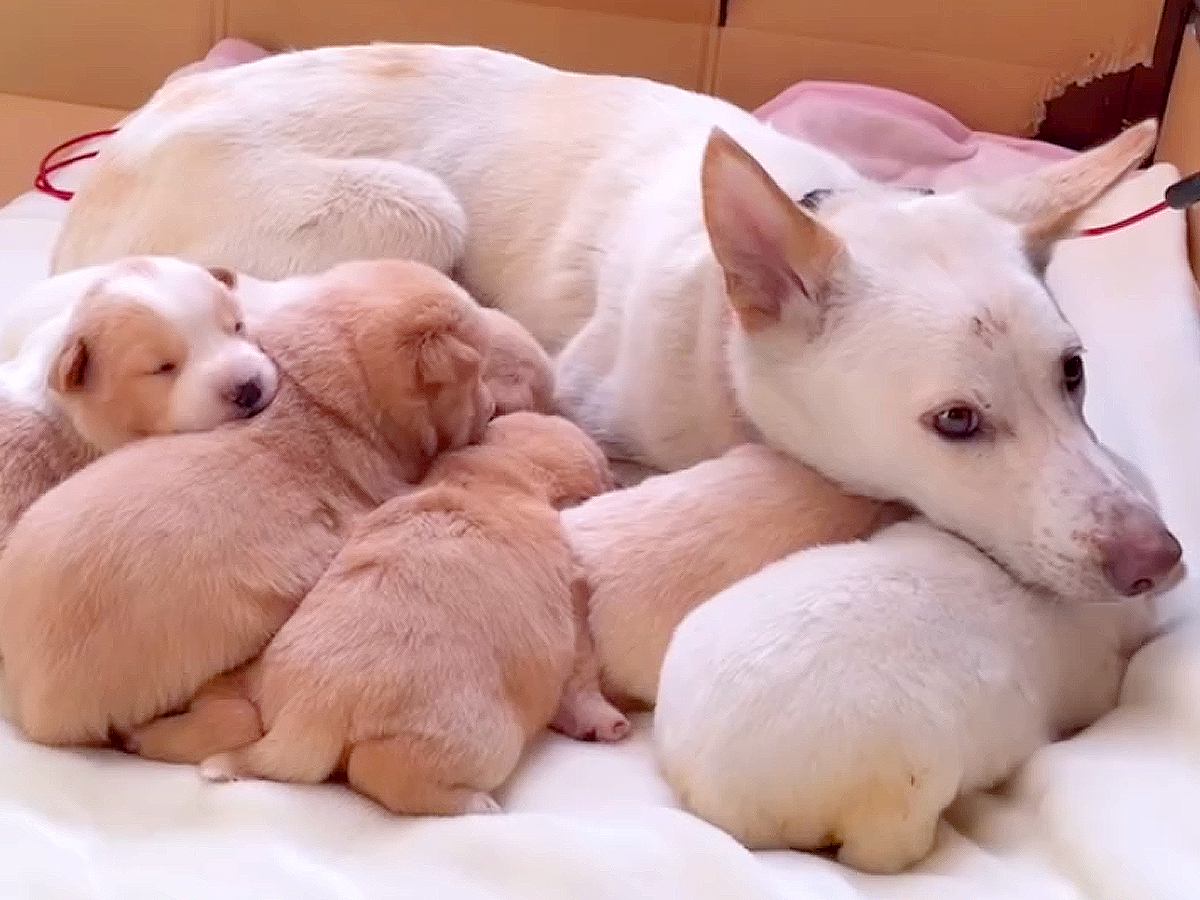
[45,168]
[1129,220]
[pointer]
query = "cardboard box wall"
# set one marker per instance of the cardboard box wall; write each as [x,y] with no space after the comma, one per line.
[992,63]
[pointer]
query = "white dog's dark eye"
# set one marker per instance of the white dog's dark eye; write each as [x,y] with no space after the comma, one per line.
[1072,372]
[165,369]
[239,327]
[956,422]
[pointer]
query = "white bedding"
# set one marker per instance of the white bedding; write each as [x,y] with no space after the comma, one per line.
[1113,813]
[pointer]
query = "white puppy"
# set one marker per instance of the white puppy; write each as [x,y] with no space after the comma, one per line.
[846,695]
[155,346]
[112,353]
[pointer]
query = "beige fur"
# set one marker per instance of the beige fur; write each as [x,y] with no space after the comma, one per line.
[519,373]
[440,640]
[655,552]
[38,449]
[132,583]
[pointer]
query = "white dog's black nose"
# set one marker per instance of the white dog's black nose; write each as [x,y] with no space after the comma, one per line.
[1141,556]
[247,395]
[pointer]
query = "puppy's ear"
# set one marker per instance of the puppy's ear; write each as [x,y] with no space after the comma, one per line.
[69,373]
[227,277]
[772,251]
[1046,202]
[445,358]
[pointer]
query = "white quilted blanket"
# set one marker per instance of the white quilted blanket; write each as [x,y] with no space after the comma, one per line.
[1112,813]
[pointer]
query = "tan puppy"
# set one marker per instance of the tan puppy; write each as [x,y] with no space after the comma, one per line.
[112,353]
[655,552]
[151,571]
[441,639]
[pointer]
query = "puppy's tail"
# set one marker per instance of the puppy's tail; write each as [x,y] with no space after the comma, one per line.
[305,747]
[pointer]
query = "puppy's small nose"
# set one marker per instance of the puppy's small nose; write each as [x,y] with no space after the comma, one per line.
[1140,557]
[247,395]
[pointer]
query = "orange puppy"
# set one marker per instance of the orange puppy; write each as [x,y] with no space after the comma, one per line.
[447,632]
[654,552]
[132,583]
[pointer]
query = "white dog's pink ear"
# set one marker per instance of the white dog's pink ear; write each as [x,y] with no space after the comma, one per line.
[1046,203]
[772,251]
[70,370]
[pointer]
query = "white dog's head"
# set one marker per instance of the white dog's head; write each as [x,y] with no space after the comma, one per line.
[906,346]
[156,346]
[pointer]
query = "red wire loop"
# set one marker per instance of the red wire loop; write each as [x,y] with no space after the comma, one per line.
[1121,223]
[46,168]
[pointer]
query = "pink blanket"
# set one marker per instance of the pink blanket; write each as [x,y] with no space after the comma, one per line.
[898,138]
[889,136]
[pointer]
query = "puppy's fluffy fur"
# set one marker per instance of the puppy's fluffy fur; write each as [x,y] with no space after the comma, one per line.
[519,373]
[135,581]
[104,355]
[38,449]
[442,637]
[654,552]
[846,695]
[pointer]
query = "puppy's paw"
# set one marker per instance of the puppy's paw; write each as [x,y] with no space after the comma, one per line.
[481,804]
[615,728]
[589,717]
[219,768]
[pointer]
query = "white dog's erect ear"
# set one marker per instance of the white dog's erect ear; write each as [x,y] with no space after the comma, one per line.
[1046,203]
[69,372]
[771,250]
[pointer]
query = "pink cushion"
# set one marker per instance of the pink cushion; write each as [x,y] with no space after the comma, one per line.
[900,139]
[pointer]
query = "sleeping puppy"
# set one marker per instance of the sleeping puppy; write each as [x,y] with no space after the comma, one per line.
[654,552]
[446,633]
[846,695]
[128,586]
[143,346]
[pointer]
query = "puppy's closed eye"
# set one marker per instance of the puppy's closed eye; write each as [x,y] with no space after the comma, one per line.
[166,368]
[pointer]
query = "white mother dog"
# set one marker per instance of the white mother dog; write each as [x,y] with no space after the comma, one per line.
[903,345]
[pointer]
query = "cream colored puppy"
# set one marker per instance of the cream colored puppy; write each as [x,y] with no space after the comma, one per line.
[442,638]
[112,353]
[654,552]
[844,696]
[128,586]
